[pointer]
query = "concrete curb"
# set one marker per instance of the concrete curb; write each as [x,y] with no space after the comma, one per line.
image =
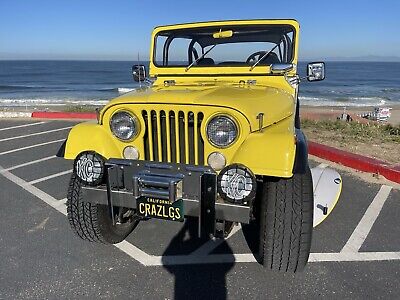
[16,114]
[63,115]
[47,115]
[355,161]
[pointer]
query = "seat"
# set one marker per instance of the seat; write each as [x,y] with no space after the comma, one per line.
[206,61]
[271,58]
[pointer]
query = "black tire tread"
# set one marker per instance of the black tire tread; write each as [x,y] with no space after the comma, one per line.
[82,216]
[91,221]
[286,218]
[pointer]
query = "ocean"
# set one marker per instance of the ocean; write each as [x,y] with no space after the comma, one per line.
[43,83]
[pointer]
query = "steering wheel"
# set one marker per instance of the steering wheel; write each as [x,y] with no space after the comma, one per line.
[193,54]
[255,57]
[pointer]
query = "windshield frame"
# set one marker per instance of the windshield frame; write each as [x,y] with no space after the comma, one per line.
[156,34]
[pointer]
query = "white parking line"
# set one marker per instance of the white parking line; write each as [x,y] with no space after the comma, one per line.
[61,206]
[134,252]
[152,260]
[19,126]
[364,226]
[34,134]
[50,177]
[29,147]
[354,256]
[31,163]
[199,260]
[34,191]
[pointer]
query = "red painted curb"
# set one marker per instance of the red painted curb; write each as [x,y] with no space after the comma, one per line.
[355,161]
[62,115]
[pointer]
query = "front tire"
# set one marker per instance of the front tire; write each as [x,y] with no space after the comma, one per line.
[286,223]
[92,222]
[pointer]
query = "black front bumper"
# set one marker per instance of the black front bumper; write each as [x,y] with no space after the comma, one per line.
[128,180]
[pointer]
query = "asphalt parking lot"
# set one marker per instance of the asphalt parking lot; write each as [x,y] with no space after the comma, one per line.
[355,251]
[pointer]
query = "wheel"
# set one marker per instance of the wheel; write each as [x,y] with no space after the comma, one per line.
[286,223]
[92,222]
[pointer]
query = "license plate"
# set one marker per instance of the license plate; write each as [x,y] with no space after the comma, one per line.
[160,209]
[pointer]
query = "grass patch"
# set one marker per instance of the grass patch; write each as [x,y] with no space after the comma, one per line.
[339,130]
[81,108]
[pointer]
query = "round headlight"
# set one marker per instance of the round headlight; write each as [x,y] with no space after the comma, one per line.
[236,184]
[124,125]
[222,131]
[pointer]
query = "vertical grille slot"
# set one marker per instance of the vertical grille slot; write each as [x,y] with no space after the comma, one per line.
[191,142]
[200,141]
[173,136]
[163,136]
[182,132]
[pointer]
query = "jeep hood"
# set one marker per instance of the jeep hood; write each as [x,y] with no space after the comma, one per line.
[276,104]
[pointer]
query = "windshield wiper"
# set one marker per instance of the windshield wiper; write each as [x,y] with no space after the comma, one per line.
[202,56]
[264,56]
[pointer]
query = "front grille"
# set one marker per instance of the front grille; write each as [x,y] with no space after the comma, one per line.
[173,136]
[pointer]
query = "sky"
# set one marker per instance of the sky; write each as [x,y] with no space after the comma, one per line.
[119,30]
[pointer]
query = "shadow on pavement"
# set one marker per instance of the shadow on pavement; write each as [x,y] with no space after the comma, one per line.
[251,234]
[197,281]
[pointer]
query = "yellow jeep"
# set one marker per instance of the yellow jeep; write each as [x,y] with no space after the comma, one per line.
[212,132]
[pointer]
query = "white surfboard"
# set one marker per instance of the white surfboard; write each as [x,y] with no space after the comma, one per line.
[327,185]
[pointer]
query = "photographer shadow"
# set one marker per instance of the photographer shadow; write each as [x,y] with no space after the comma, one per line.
[196,280]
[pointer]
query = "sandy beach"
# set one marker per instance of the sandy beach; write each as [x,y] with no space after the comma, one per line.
[330,112]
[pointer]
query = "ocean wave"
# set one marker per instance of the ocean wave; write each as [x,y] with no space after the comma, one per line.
[120,90]
[124,90]
[49,102]
[8,87]
[391,90]
[21,87]
[350,101]
[105,90]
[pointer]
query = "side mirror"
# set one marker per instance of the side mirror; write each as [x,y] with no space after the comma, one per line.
[316,71]
[139,73]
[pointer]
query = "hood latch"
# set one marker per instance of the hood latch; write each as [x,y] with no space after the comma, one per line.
[260,118]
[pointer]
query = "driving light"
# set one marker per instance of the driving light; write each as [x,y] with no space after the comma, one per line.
[89,167]
[236,184]
[216,160]
[131,152]
[222,131]
[124,125]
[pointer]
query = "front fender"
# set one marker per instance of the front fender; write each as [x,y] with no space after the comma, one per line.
[270,152]
[89,136]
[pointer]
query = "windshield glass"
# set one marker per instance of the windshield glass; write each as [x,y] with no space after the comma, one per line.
[247,45]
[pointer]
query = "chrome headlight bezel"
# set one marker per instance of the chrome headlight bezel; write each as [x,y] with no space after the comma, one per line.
[131,120]
[231,122]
